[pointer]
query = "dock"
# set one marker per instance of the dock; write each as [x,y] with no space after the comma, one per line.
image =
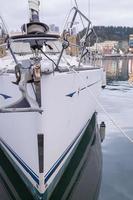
[122,56]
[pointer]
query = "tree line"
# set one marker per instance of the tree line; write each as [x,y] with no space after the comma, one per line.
[118,33]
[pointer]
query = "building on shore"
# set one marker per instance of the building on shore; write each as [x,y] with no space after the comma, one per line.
[131,43]
[106,47]
[54,28]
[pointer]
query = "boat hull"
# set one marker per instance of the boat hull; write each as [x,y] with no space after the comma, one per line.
[80,178]
[68,105]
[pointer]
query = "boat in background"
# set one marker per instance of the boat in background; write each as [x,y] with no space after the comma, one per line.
[49,136]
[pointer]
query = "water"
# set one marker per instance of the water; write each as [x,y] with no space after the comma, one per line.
[117,98]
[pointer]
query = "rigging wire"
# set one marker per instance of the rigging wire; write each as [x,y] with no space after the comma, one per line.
[89,9]
[71,2]
[66,21]
[48,57]
[101,106]
[46,54]
[79,14]
[4,24]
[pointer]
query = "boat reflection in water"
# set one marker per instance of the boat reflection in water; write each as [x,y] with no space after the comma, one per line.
[118,69]
[117,176]
[130,70]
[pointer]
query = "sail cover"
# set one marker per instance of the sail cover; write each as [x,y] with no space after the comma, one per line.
[34,5]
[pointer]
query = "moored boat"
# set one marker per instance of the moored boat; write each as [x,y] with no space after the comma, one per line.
[49,132]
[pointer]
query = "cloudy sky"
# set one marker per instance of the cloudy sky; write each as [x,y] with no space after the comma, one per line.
[102,12]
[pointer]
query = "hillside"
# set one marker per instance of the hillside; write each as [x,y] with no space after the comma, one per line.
[118,33]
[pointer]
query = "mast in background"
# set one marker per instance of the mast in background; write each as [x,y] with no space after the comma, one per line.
[3,36]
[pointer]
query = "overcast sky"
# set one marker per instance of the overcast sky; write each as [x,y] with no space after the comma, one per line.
[102,12]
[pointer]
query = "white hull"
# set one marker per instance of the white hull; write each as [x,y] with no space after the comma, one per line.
[67,107]
[48,104]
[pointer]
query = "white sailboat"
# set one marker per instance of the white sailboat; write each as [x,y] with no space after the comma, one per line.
[48,125]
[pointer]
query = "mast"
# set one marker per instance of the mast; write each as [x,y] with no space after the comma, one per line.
[34,10]
[34,26]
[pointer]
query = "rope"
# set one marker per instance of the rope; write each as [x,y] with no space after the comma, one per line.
[102,107]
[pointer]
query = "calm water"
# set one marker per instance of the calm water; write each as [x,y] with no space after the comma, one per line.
[117,98]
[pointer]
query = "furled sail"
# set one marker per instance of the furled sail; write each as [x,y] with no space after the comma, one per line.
[34,5]
[34,10]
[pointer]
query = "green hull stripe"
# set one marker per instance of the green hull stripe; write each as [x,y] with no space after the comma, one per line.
[70,167]
[74,162]
[14,177]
